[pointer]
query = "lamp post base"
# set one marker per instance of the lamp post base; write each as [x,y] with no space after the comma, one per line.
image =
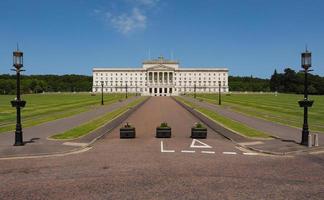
[305,134]
[19,144]
[19,136]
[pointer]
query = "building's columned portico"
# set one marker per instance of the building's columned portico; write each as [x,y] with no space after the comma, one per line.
[160,77]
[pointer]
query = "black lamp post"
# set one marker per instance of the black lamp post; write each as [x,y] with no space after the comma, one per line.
[18,103]
[195,90]
[306,62]
[102,99]
[136,90]
[219,93]
[126,91]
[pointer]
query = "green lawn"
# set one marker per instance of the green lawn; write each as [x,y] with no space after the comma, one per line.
[227,122]
[96,123]
[42,108]
[282,108]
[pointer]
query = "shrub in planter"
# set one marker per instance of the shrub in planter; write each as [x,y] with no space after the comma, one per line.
[127,131]
[199,131]
[163,131]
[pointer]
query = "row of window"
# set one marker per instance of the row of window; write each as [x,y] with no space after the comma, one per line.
[141,83]
[140,78]
[146,89]
[141,74]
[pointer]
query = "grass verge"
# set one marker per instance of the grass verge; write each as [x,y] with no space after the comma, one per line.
[92,125]
[280,108]
[227,122]
[35,115]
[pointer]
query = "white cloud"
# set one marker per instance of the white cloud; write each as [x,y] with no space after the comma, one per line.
[128,22]
[96,11]
[147,2]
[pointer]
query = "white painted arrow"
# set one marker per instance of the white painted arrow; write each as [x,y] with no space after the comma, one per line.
[202,145]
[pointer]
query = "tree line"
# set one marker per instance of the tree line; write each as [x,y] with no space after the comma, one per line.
[293,82]
[287,82]
[45,83]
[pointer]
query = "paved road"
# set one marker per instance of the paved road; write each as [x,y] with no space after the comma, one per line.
[137,169]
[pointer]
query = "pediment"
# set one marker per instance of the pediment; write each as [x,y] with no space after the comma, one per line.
[160,67]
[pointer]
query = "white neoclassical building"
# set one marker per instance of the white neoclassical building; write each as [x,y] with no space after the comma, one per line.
[160,77]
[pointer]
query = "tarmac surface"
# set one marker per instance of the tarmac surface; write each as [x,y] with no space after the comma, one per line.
[177,168]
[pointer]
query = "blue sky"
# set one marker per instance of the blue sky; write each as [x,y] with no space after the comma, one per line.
[250,37]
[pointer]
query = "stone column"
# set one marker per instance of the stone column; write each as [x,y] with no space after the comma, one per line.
[153,80]
[163,78]
[168,78]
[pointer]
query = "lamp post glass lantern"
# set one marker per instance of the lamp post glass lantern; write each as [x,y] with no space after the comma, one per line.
[306,63]
[18,103]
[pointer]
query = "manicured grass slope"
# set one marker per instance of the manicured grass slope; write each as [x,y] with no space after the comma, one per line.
[42,108]
[92,125]
[227,122]
[282,108]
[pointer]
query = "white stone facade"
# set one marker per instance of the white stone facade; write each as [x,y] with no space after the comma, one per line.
[160,77]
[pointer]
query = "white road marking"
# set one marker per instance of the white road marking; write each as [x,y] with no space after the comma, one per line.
[230,153]
[187,151]
[203,145]
[165,151]
[209,152]
[251,143]
[250,153]
[75,144]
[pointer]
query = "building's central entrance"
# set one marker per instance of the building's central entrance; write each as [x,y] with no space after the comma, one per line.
[160,91]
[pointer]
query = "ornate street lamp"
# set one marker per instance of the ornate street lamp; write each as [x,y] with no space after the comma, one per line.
[195,90]
[306,62]
[219,93]
[18,103]
[136,90]
[126,90]
[102,100]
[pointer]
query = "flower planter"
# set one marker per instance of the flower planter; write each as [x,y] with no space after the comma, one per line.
[127,132]
[199,133]
[163,132]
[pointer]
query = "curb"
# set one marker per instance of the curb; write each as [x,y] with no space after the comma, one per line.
[109,126]
[226,133]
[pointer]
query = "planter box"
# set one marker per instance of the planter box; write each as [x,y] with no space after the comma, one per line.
[127,132]
[199,133]
[164,132]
